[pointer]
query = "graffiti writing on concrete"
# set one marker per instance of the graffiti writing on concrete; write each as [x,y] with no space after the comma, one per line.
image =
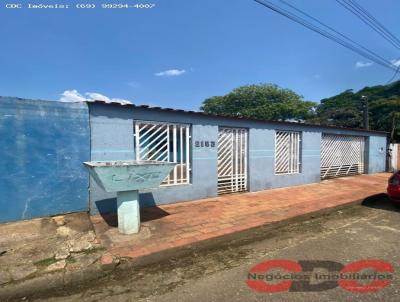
[136,177]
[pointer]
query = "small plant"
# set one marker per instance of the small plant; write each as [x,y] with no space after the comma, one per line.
[45,262]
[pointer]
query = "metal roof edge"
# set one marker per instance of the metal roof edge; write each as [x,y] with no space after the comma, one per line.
[235,118]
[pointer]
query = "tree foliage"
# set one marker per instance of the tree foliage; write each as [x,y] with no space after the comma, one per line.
[262,101]
[345,109]
[270,102]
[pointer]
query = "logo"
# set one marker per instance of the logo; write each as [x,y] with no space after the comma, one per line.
[361,276]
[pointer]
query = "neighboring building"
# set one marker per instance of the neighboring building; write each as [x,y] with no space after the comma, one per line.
[44,144]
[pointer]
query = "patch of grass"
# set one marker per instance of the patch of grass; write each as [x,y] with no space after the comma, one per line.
[93,250]
[70,260]
[45,262]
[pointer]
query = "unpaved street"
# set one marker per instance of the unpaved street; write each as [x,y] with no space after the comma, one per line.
[371,231]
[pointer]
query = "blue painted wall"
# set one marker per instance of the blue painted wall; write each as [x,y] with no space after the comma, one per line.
[43,145]
[113,138]
[262,160]
[376,154]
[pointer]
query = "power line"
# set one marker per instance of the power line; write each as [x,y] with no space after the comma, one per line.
[351,6]
[394,75]
[365,19]
[376,21]
[335,31]
[367,54]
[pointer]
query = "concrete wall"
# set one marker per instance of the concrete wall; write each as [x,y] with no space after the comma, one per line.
[262,160]
[43,145]
[396,156]
[394,160]
[113,138]
[376,152]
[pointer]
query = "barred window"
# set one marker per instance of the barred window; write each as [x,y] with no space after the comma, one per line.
[287,152]
[165,142]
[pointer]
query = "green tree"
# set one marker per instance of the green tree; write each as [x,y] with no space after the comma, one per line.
[263,101]
[386,116]
[345,109]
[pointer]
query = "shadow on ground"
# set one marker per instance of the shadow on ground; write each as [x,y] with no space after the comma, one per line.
[153,213]
[380,201]
[149,210]
[146,214]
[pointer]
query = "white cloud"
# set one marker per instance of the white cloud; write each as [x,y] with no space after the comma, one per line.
[97,96]
[361,64]
[396,62]
[72,96]
[170,73]
[75,96]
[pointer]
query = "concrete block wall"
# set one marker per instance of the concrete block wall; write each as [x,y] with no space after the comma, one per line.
[43,145]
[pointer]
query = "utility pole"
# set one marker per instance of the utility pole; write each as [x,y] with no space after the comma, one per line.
[364,99]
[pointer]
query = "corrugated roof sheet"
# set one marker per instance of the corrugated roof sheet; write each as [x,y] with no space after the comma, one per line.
[230,117]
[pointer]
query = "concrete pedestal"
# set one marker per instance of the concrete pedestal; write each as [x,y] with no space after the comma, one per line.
[128,212]
[126,177]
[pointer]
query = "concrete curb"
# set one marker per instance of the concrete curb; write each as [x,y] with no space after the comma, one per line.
[237,238]
[62,280]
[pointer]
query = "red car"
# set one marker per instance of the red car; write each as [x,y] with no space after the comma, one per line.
[393,188]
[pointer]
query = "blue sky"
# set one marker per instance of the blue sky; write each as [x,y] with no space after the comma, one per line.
[181,52]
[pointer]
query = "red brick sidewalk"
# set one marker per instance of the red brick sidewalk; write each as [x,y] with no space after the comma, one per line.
[181,224]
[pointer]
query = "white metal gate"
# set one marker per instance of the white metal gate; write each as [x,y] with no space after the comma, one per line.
[232,160]
[341,155]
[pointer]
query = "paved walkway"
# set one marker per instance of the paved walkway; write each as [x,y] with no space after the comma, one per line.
[181,224]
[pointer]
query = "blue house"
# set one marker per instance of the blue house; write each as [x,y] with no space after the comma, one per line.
[44,144]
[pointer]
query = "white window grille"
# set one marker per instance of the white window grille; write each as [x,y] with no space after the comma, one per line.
[165,142]
[287,152]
